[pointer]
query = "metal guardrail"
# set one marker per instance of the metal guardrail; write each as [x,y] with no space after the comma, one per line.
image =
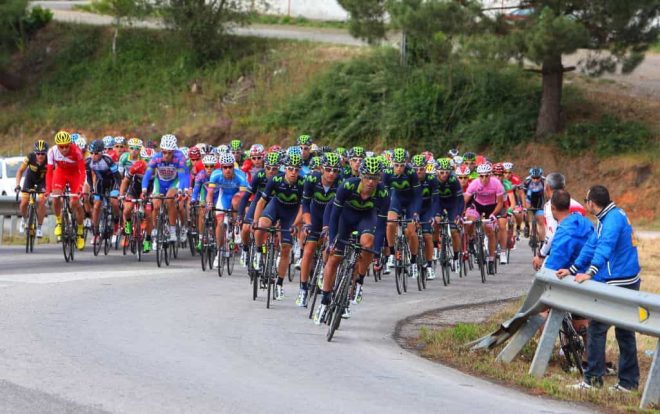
[8,205]
[9,208]
[633,310]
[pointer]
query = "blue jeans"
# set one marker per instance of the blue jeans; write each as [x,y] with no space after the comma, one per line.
[628,366]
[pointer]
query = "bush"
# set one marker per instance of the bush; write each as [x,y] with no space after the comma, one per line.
[432,106]
[609,136]
[38,18]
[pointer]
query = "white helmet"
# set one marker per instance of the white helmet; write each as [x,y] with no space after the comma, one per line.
[209,159]
[184,150]
[120,140]
[222,148]
[458,160]
[485,168]
[508,166]
[81,142]
[226,158]
[168,142]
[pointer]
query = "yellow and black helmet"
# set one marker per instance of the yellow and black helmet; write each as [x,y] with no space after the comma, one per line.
[62,138]
[40,146]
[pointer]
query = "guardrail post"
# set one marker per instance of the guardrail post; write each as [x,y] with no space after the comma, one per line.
[12,225]
[652,389]
[547,343]
[520,339]
[2,228]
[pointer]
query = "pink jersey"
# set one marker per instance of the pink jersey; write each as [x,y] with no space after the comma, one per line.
[485,194]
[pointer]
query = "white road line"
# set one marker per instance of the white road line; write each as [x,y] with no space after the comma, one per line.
[45,278]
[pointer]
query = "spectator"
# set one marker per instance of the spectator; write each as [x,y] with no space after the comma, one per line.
[609,256]
[553,182]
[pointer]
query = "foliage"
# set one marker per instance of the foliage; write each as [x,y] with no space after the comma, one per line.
[203,23]
[17,25]
[432,106]
[609,136]
[122,11]
[256,18]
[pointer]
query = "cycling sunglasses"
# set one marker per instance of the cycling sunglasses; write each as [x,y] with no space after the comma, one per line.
[256,158]
[227,167]
[135,148]
[356,159]
[63,146]
[291,168]
[398,165]
[39,153]
[304,148]
[331,170]
[166,152]
[371,177]
[484,175]
[275,168]
[209,167]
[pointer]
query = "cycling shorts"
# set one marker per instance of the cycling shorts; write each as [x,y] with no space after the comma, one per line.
[62,177]
[317,211]
[102,187]
[400,204]
[162,187]
[30,182]
[285,214]
[364,222]
[249,215]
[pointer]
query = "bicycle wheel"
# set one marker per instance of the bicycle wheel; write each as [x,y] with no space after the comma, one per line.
[174,246]
[65,234]
[221,259]
[398,276]
[340,302]
[159,243]
[29,230]
[203,254]
[166,252]
[481,258]
[268,268]
[290,274]
[254,278]
[231,261]
[106,245]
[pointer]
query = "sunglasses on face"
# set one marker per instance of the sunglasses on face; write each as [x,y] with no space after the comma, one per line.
[331,170]
[227,167]
[443,172]
[462,178]
[208,167]
[418,169]
[257,158]
[167,152]
[356,159]
[398,165]
[536,178]
[119,146]
[484,175]
[304,148]
[272,168]
[290,168]
[371,177]
[64,146]
[135,148]
[40,153]
[97,153]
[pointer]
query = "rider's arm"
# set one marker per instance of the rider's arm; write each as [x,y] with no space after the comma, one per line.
[21,170]
[148,175]
[261,204]
[82,173]
[337,207]
[124,185]
[308,193]
[183,173]
[417,193]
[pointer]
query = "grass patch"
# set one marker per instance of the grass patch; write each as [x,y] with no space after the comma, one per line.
[75,84]
[447,346]
[297,21]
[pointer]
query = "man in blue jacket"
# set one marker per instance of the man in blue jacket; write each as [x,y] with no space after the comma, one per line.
[609,256]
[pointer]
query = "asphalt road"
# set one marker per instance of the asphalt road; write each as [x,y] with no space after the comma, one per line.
[110,334]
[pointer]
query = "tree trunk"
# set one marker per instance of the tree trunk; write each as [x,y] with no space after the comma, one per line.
[549,119]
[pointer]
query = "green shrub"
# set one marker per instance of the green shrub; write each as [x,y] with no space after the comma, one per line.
[36,19]
[432,106]
[608,136]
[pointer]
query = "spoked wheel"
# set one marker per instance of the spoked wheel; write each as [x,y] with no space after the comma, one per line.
[221,261]
[139,248]
[267,268]
[291,273]
[231,261]
[160,250]
[420,275]
[166,252]
[96,244]
[446,265]
[481,258]
[30,231]
[106,245]
[398,277]
[255,283]
[192,242]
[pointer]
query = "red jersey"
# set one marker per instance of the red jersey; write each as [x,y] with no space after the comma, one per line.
[71,165]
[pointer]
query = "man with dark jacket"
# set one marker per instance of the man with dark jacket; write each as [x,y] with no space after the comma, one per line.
[609,256]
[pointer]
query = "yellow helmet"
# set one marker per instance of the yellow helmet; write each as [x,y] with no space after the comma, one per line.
[62,138]
[135,142]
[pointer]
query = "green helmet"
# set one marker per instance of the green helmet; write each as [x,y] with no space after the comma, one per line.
[331,160]
[400,155]
[293,160]
[272,159]
[236,145]
[304,140]
[341,151]
[371,166]
[357,152]
[444,164]
[418,161]
[314,163]
[470,156]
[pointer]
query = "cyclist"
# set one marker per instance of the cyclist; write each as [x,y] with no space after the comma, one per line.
[361,205]
[428,209]
[255,163]
[119,147]
[34,166]
[236,149]
[280,202]
[81,142]
[170,174]
[305,142]
[228,180]
[66,165]
[254,191]
[320,189]
[533,188]
[406,194]
[108,144]
[503,217]
[209,163]
[129,157]
[450,200]
[487,197]
[131,187]
[355,157]
[517,205]
[470,161]
[105,180]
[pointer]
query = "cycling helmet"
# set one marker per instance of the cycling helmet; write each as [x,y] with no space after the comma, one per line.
[226,158]
[184,151]
[294,150]
[498,169]
[458,160]
[485,168]
[62,138]
[40,146]
[314,163]
[452,152]
[443,164]
[508,166]
[400,155]
[274,148]
[341,151]
[120,140]
[369,154]
[194,154]
[325,149]
[469,156]
[236,145]
[135,142]
[463,171]
[221,148]
[272,159]
[209,159]
[304,140]
[208,149]
[168,142]
[74,137]
[146,153]
[96,146]
[292,160]
[81,142]
[256,150]
[371,166]
[151,144]
[331,160]
[139,167]
[314,148]
[418,161]
[536,172]
[356,152]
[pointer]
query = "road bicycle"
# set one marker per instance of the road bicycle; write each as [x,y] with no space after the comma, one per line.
[268,271]
[421,278]
[571,345]
[227,251]
[315,281]
[68,224]
[480,244]
[344,283]
[163,243]
[137,234]
[402,262]
[103,235]
[31,222]
[534,242]
[209,248]
[193,231]
[446,251]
